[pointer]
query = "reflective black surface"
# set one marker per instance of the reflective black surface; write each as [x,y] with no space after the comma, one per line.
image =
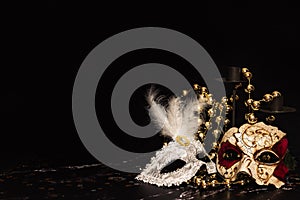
[95,181]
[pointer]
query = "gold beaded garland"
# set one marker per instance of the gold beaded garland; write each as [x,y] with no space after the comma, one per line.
[216,108]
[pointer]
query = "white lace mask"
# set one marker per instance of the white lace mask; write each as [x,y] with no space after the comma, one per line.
[180,123]
[168,154]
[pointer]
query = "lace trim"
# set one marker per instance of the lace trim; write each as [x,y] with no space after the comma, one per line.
[173,151]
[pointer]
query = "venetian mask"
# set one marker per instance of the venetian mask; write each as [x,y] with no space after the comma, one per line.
[257,150]
[179,121]
[154,172]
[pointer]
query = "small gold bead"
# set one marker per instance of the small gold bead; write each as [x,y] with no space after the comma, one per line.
[212,156]
[220,106]
[248,75]
[252,119]
[267,97]
[210,100]
[216,133]
[219,119]
[203,183]
[196,87]
[213,183]
[271,118]
[215,145]
[249,102]
[251,116]
[250,88]
[201,135]
[244,70]
[194,179]
[226,121]
[276,94]
[227,181]
[228,108]
[209,95]
[204,90]
[198,181]
[211,112]
[224,100]
[242,182]
[255,105]
[208,125]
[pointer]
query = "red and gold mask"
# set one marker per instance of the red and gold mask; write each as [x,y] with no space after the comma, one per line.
[257,150]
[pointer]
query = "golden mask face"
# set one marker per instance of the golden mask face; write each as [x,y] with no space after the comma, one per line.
[257,150]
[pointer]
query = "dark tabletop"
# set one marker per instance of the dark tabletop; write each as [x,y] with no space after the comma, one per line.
[38,180]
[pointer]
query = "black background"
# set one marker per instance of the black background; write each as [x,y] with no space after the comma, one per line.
[44,45]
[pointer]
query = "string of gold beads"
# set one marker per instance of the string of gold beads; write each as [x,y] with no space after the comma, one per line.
[212,181]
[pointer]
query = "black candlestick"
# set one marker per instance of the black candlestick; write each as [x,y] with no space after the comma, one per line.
[276,106]
[233,76]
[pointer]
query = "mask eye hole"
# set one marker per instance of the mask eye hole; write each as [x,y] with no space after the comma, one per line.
[173,166]
[267,157]
[231,155]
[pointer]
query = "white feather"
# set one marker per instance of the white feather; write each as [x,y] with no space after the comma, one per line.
[158,114]
[174,115]
[181,117]
[190,117]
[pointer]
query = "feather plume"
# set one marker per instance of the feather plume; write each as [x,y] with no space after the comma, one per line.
[174,115]
[180,117]
[190,117]
[157,113]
